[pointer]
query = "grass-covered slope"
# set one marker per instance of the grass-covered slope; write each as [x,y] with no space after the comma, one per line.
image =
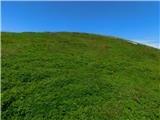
[78,76]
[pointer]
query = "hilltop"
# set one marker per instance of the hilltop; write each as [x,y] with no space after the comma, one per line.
[74,76]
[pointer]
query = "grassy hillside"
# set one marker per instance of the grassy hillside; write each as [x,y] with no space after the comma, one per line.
[78,76]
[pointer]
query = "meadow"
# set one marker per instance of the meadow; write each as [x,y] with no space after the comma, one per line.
[78,76]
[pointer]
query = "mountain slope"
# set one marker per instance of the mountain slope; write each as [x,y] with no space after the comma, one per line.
[75,76]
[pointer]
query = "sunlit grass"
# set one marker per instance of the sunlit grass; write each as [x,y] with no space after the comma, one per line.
[74,76]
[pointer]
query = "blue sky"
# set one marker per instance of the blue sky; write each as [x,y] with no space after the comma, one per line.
[138,21]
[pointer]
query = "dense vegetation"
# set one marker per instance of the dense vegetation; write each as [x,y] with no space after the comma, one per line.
[78,76]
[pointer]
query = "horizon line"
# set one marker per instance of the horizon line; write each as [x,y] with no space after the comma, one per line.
[157,45]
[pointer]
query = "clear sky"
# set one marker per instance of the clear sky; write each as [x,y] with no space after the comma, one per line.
[138,21]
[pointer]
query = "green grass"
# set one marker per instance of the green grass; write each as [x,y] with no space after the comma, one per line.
[78,76]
